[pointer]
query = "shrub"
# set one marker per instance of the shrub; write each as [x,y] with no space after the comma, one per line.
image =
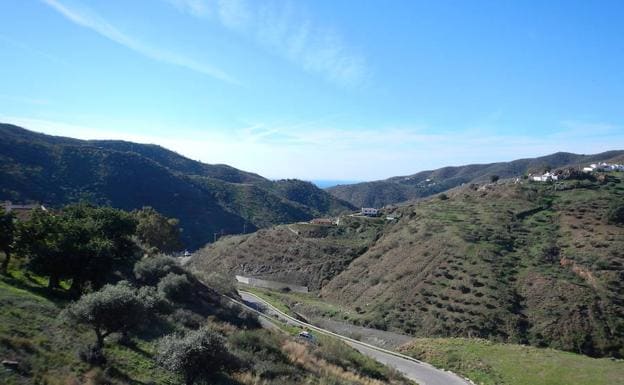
[175,287]
[151,269]
[616,215]
[217,281]
[188,318]
[443,197]
[197,355]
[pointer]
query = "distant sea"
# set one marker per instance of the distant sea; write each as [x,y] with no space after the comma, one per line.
[326,183]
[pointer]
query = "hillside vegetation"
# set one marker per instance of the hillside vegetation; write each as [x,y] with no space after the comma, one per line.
[533,263]
[108,311]
[425,183]
[310,255]
[207,199]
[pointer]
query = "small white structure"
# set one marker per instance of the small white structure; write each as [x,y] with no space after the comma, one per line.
[547,177]
[8,206]
[369,211]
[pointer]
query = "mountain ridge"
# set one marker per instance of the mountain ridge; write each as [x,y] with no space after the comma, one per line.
[399,189]
[209,200]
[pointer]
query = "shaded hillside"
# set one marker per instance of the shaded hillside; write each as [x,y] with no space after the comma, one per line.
[206,198]
[426,183]
[510,262]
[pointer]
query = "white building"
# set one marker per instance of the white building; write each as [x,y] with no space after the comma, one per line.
[369,211]
[547,177]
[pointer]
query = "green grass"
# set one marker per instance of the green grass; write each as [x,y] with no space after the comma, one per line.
[46,349]
[308,303]
[490,363]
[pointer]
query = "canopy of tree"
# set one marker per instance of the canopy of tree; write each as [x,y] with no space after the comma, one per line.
[82,243]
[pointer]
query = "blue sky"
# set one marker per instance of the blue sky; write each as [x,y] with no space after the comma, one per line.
[354,90]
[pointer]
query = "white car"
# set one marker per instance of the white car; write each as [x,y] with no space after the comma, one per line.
[306,336]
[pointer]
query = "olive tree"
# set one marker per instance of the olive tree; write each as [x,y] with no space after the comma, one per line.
[114,308]
[82,243]
[156,230]
[7,237]
[197,355]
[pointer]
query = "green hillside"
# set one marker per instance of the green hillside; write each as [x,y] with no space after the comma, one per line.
[426,183]
[83,301]
[533,263]
[490,363]
[45,350]
[206,198]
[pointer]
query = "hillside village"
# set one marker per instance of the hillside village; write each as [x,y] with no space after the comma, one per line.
[570,173]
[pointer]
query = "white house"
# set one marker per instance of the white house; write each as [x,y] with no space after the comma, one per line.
[369,211]
[547,177]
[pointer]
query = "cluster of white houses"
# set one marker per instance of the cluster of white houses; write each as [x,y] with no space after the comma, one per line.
[594,167]
[603,167]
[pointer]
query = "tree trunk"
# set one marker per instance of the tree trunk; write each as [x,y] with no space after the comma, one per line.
[100,339]
[76,287]
[53,282]
[5,263]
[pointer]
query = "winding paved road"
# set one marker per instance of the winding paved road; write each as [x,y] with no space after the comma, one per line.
[421,372]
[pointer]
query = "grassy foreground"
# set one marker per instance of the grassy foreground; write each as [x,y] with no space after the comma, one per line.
[43,350]
[490,363]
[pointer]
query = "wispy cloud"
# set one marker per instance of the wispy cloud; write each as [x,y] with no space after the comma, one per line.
[30,50]
[286,30]
[590,128]
[197,8]
[90,20]
[25,100]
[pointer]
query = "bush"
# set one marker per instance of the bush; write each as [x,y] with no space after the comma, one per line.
[217,281]
[175,287]
[259,350]
[197,355]
[616,215]
[187,318]
[150,270]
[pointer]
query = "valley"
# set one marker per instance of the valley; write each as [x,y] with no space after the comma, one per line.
[529,263]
